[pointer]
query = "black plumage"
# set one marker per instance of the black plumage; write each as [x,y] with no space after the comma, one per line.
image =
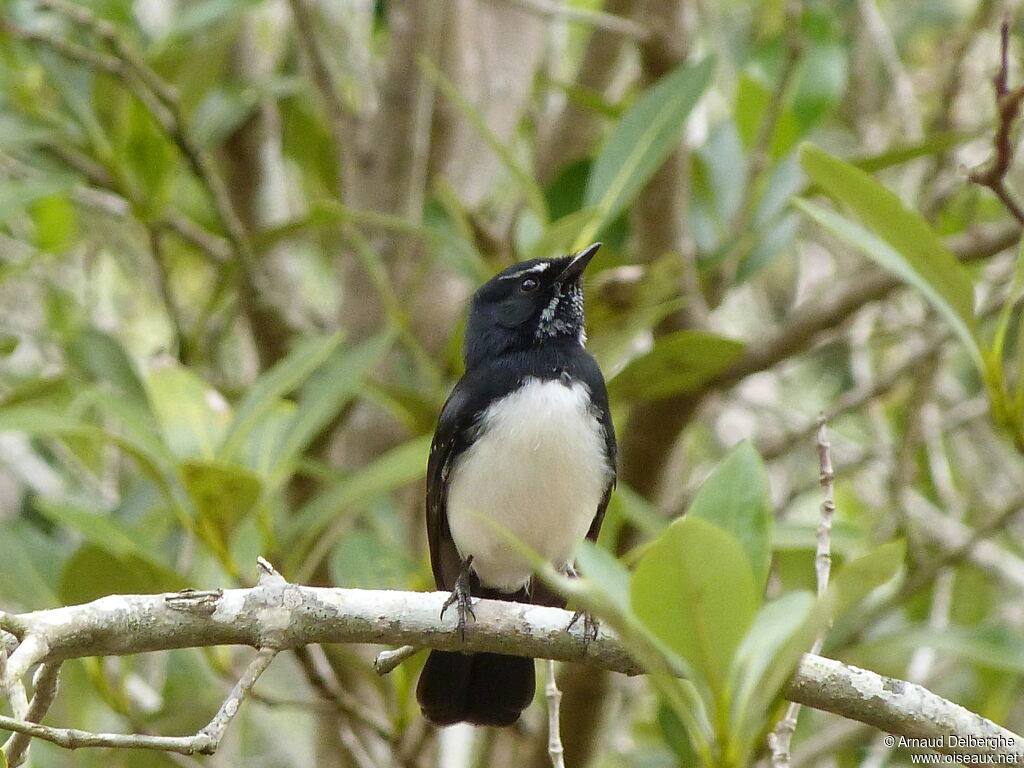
[525,330]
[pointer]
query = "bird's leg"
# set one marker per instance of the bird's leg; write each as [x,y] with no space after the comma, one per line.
[460,595]
[591,625]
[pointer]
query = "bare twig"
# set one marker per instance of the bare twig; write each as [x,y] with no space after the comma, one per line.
[388,661]
[780,739]
[554,696]
[204,742]
[44,692]
[1008,102]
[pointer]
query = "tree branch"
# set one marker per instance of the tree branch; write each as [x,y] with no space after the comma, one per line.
[1007,107]
[276,615]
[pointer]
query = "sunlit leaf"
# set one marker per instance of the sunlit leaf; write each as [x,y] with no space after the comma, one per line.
[284,377]
[694,590]
[193,416]
[736,498]
[640,142]
[326,392]
[902,242]
[680,362]
[222,494]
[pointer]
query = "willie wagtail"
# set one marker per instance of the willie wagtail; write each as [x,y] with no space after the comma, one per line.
[525,440]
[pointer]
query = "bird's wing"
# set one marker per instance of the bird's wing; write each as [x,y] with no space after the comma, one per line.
[451,438]
[599,402]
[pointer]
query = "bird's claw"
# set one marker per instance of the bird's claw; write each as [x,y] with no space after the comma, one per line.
[591,627]
[462,598]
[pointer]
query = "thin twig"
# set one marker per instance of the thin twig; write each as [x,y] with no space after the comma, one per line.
[554,697]
[205,742]
[1008,102]
[780,739]
[388,661]
[216,728]
[44,692]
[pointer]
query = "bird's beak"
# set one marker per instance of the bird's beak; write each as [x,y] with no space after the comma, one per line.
[578,264]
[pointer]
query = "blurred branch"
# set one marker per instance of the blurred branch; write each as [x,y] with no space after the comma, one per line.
[164,288]
[903,86]
[739,239]
[602,20]
[780,739]
[205,742]
[214,247]
[1007,107]
[161,101]
[44,692]
[275,615]
[653,427]
[323,79]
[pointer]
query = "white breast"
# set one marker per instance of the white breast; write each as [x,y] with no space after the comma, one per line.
[539,468]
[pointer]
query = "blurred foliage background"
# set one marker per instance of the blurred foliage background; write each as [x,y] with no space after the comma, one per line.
[236,239]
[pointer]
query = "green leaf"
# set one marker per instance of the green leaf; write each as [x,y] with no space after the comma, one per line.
[736,499]
[680,362]
[858,578]
[104,358]
[28,579]
[17,194]
[769,645]
[223,495]
[933,144]
[98,528]
[342,500]
[93,572]
[323,396]
[995,647]
[903,241]
[9,343]
[56,222]
[600,566]
[848,586]
[640,142]
[753,98]
[694,590]
[193,416]
[286,375]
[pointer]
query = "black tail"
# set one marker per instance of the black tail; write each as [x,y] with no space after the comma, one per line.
[476,688]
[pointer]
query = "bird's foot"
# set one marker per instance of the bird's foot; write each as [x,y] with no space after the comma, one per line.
[591,627]
[461,597]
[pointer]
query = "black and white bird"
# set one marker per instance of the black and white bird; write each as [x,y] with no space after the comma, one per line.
[525,441]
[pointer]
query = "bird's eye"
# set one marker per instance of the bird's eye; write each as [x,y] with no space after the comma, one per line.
[529,285]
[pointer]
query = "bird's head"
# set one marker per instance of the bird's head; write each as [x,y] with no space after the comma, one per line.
[528,304]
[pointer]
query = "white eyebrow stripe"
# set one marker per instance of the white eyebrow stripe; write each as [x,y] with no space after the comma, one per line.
[527,271]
